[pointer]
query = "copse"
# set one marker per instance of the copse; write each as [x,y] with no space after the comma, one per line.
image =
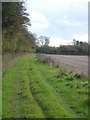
[15,36]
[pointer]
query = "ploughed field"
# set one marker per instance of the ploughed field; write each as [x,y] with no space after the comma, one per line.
[33,89]
[79,64]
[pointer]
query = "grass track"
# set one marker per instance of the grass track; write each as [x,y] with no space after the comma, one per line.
[30,91]
[16,92]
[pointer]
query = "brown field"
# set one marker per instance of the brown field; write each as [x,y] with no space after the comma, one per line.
[78,64]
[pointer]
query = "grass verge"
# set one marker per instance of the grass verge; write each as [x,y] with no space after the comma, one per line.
[32,89]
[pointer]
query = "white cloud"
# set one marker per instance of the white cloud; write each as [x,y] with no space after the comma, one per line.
[37,16]
[38,19]
[69,2]
[50,4]
[64,20]
[83,37]
[57,41]
[67,22]
[59,17]
[38,26]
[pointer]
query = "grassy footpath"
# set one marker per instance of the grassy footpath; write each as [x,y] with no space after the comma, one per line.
[32,89]
[18,101]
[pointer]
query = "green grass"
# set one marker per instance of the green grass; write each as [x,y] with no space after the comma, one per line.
[32,89]
[18,101]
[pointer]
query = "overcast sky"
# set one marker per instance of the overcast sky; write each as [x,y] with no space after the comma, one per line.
[61,20]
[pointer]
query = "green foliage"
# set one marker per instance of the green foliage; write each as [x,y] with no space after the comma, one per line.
[32,89]
[70,87]
[15,35]
[81,48]
[13,15]
[18,101]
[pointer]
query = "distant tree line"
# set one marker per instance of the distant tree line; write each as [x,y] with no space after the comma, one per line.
[78,48]
[15,36]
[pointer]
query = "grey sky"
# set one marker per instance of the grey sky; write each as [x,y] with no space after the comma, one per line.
[61,20]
